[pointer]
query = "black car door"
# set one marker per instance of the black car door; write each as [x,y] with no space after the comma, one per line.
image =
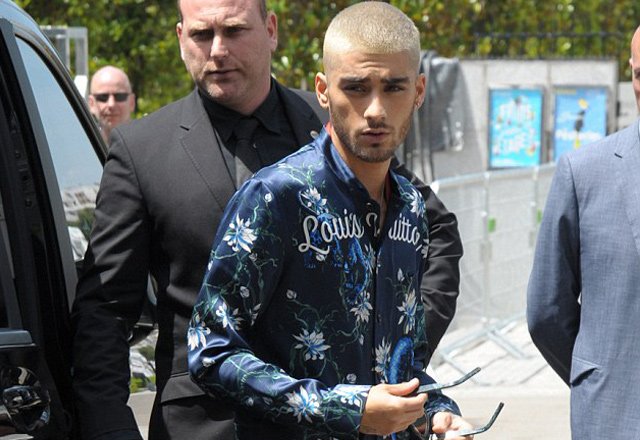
[50,166]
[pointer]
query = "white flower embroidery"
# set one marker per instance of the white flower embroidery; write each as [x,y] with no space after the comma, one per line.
[291,294]
[227,319]
[370,255]
[417,203]
[313,345]
[352,378]
[197,333]
[303,404]
[350,396]
[313,200]
[362,308]
[425,248]
[239,235]
[383,353]
[244,292]
[408,309]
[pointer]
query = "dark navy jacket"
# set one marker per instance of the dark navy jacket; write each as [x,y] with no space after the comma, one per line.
[307,303]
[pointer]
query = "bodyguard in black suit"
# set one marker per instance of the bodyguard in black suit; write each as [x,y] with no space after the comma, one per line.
[166,182]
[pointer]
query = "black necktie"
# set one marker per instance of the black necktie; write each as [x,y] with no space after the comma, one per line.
[246,155]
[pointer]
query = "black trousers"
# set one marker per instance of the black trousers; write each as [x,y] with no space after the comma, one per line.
[191,418]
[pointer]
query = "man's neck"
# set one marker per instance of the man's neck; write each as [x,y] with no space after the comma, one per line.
[244,107]
[106,133]
[371,175]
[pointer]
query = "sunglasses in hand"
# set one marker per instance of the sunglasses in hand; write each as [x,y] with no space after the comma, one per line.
[453,434]
[104,97]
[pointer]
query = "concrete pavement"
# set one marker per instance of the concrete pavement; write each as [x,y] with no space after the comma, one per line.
[536,400]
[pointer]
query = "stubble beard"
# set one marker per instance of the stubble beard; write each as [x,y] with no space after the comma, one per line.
[369,154]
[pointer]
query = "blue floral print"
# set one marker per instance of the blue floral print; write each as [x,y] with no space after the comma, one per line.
[307,302]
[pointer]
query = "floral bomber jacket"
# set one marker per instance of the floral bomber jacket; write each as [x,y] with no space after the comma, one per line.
[307,303]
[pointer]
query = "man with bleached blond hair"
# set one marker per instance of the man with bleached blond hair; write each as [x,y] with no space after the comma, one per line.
[309,321]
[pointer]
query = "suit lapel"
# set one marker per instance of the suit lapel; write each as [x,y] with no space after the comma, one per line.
[628,151]
[304,122]
[201,145]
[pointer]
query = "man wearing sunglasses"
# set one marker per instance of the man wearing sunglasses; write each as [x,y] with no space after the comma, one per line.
[111,100]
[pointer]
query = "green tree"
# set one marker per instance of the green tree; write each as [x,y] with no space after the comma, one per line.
[135,35]
[139,36]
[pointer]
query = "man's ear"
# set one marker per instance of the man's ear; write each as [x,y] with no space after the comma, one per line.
[92,103]
[179,34]
[272,30]
[322,90]
[421,88]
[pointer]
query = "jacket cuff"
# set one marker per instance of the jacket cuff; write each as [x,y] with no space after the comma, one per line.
[114,422]
[438,402]
[343,407]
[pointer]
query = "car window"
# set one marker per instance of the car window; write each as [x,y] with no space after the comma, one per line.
[76,164]
[7,273]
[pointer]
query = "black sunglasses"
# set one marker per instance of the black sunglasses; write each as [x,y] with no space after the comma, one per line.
[104,97]
[451,434]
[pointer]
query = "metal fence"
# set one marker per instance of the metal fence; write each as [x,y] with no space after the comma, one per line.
[498,215]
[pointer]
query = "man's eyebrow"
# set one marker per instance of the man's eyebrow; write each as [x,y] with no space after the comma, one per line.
[197,27]
[205,26]
[354,79]
[364,79]
[398,80]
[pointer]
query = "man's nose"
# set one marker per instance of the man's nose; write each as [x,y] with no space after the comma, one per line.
[376,110]
[218,47]
[111,101]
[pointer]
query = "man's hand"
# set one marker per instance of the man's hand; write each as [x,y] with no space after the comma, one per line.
[446,421]
[389,409]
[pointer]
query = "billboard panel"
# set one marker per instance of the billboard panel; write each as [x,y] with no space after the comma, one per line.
[515,127]
[580,117]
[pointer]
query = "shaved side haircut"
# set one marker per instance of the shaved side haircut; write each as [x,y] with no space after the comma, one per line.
[371,27]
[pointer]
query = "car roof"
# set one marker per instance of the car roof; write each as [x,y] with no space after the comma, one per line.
[26,27]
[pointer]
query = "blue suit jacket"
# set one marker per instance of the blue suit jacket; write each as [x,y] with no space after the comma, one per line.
[584,290]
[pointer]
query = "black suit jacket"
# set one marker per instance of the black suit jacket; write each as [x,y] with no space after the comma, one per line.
[163,192]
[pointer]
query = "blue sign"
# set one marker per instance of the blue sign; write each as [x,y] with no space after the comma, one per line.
[580,118]
[515,127]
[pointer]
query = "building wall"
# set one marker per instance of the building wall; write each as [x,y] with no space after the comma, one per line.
[628,108]
[482,75]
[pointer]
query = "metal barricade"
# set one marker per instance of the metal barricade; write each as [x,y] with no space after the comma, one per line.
[498,216]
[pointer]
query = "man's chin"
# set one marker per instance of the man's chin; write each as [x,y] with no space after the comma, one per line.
[374,158]
[375,154]
[221,92]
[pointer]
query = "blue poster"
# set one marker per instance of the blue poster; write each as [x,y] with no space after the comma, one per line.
[580,118]
[515,127]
